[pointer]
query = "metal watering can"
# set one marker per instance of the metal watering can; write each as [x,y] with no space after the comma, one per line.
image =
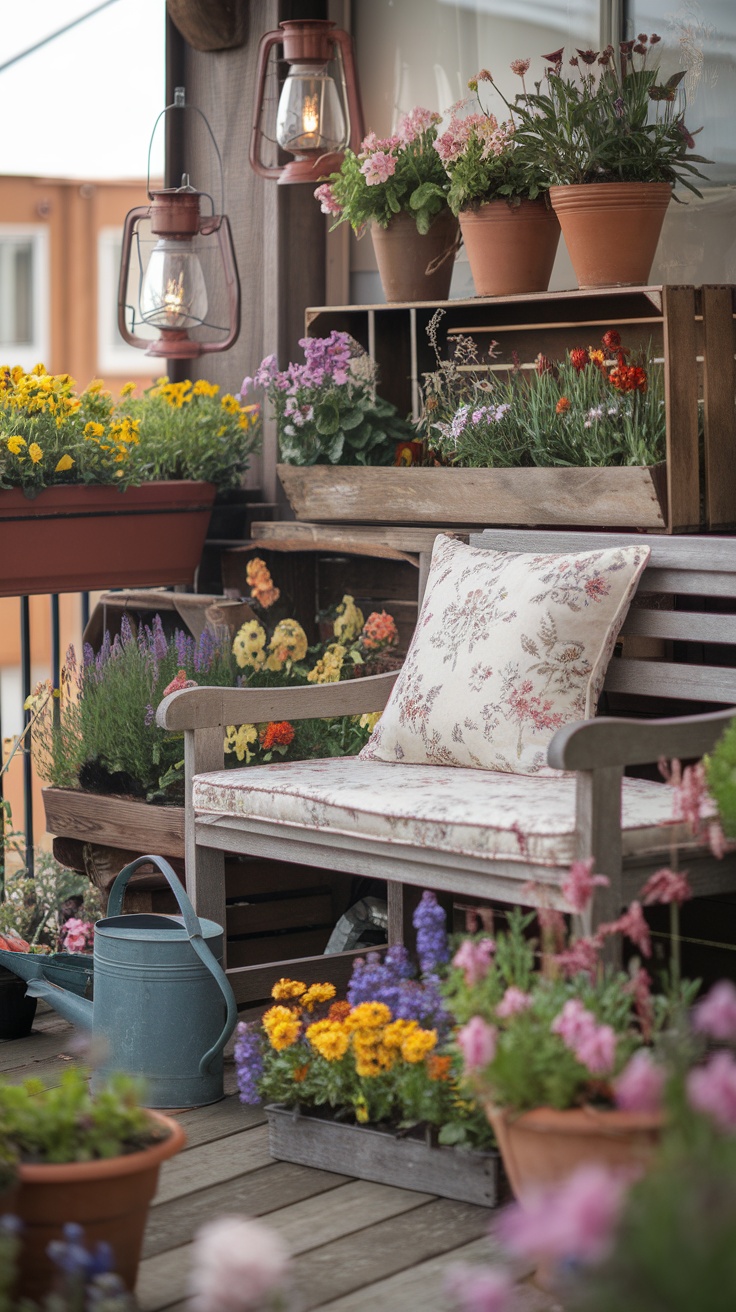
[162,1001]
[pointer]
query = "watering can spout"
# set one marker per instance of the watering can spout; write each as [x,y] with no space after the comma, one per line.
[72,1008]
[22,964]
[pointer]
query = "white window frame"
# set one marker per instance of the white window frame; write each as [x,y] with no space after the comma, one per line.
[115,357]
[23,353]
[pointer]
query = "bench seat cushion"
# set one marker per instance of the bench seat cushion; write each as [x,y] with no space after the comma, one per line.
[463,811]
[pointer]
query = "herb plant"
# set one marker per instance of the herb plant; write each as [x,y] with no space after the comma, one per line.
[67,1123]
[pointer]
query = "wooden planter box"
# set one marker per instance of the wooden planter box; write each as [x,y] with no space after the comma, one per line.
[370,1154]
[73,539]
[691,329]
[624,497]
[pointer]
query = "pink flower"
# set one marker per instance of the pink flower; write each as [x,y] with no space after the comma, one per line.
[378,168]
[666,886]
[715,1014]
[479,1289]
[477,1042]
[327,200]
[640,986]
[474,959]
[711,1089]
[417,121]
[580,885]
[520,66]
[717,839]
[574,1023]
[692,802]
[597,1050]
[513,1001]
[573,1221]
[77,935]
[179,683]
[633,925]
[639,1086]
[581,958]
[236,1265]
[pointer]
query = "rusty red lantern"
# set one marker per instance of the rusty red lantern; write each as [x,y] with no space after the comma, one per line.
[319,111]
[183,259]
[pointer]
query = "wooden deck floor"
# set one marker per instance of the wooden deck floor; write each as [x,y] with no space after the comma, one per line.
[357,1246]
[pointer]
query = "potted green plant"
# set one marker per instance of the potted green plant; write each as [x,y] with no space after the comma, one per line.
[498,192]
[397,186]
[370,1080]
[611,143]
[93,1160]
[97,493]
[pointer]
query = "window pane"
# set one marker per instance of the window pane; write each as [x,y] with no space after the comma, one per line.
[16,293]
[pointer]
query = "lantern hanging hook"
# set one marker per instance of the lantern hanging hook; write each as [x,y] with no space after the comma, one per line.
[180,102]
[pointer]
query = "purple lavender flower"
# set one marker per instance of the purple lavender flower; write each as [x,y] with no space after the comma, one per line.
[126,631]
[248,1062]
[88,655]
[160,645]
[105,652]
[150,715]
[180,643]
[205,652]
[431,930]
[374,980]
[398,960]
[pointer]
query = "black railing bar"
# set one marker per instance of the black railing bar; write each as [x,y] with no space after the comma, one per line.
[25,658]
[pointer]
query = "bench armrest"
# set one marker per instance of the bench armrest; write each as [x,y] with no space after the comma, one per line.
[210,708]
[593,744]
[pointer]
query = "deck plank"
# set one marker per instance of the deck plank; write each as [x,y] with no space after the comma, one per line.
[211,1163]
[218,1120]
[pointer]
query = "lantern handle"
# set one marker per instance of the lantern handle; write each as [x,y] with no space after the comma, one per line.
[264,46]
[131,218]
[180,103]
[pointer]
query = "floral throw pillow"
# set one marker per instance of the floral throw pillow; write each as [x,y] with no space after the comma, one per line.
[509,646]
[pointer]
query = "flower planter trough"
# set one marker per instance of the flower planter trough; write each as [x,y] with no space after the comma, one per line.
[72,539]
[371,1154]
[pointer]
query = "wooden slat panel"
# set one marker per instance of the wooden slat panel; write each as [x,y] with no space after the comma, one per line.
[719,382]
[700,683]
[278,950]
[670,553]
[253,983]
[286,913]
[404,538]
[693,583]
[681,402]
[686,626]
[114,821]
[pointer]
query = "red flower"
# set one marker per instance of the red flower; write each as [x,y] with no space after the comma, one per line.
[179,683]
[555,57]
[628,378]
[666,886]
[578,358]
[588,56]
[276,734]
[611,340]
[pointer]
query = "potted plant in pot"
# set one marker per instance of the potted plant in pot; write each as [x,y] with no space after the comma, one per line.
[92,1160]
[398,186]
[611,142]
[73,463]
[498,193]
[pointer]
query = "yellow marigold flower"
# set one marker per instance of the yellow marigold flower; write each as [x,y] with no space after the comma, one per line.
[93,429]
[329,666]
[418,1045]
[369,720]
[66,462]
[16,444]
[316,994]
[596,356]
[395,1033]
[284,989]
[331,1043]
[361,1112]
[238,737]
[274,1016]
[289,641]
[203,388]
[35,452]
[284,1034]
[127,389]
[230,404]
[372,1061]
[94,387]
[348,621]
[369,1016]
[249,644]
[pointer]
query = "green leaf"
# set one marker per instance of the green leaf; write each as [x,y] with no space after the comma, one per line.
[335,448]
[352,419]
[326,418]
[425,193]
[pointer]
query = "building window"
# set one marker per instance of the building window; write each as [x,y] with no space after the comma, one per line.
[114,355]
[24,295]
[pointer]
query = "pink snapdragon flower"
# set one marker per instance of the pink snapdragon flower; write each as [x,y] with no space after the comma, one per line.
[378,168]
[573,1221]
[474,959]
[574,1023]
[640,1085]
[633,925]
[581,958]
[579,886]
[711,1089]
[666,886]
[477,1042]
[479,1289]
[715,1014]
[237,1265]
[640,987]
[513,1001]
[594,1045]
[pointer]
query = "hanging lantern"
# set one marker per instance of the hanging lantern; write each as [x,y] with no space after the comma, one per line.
[319,114]
[178,272]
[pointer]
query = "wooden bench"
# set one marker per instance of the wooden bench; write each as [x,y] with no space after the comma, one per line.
[596,751]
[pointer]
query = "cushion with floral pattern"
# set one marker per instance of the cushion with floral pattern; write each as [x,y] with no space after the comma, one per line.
[509,646]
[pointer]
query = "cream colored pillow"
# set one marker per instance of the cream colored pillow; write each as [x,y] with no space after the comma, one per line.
[509,646]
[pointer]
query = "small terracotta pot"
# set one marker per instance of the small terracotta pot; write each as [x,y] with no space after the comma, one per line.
[404,255]
[511,248]
[543,1146]
[611,229]
[110,1198]
[16,1010]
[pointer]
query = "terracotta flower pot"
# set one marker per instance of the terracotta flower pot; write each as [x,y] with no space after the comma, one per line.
[404,257]
[611,229]
[543,1146]
[109,1198]
[16,1010]
[511,248]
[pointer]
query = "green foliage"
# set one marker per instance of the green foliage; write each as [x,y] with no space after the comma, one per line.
[68,1123]
[486,161]
[720,769]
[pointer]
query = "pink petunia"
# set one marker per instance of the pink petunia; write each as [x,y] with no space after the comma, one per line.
[711,1089]
[477,1042]
[572,1221]
[474,959]
[715,1014]
[580,884]
[513,1001]
[640,1085]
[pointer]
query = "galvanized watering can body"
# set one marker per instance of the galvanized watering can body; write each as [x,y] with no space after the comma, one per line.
[162,1002]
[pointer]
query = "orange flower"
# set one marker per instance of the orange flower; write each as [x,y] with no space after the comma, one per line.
[276,734]
[562,406]
[339,1011]
[578,358]
[300,1073]
[611,340]
[379,631]
[438,1068]
[628,378]
[260,583]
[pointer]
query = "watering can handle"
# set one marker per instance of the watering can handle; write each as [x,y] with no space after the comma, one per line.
[194,930]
